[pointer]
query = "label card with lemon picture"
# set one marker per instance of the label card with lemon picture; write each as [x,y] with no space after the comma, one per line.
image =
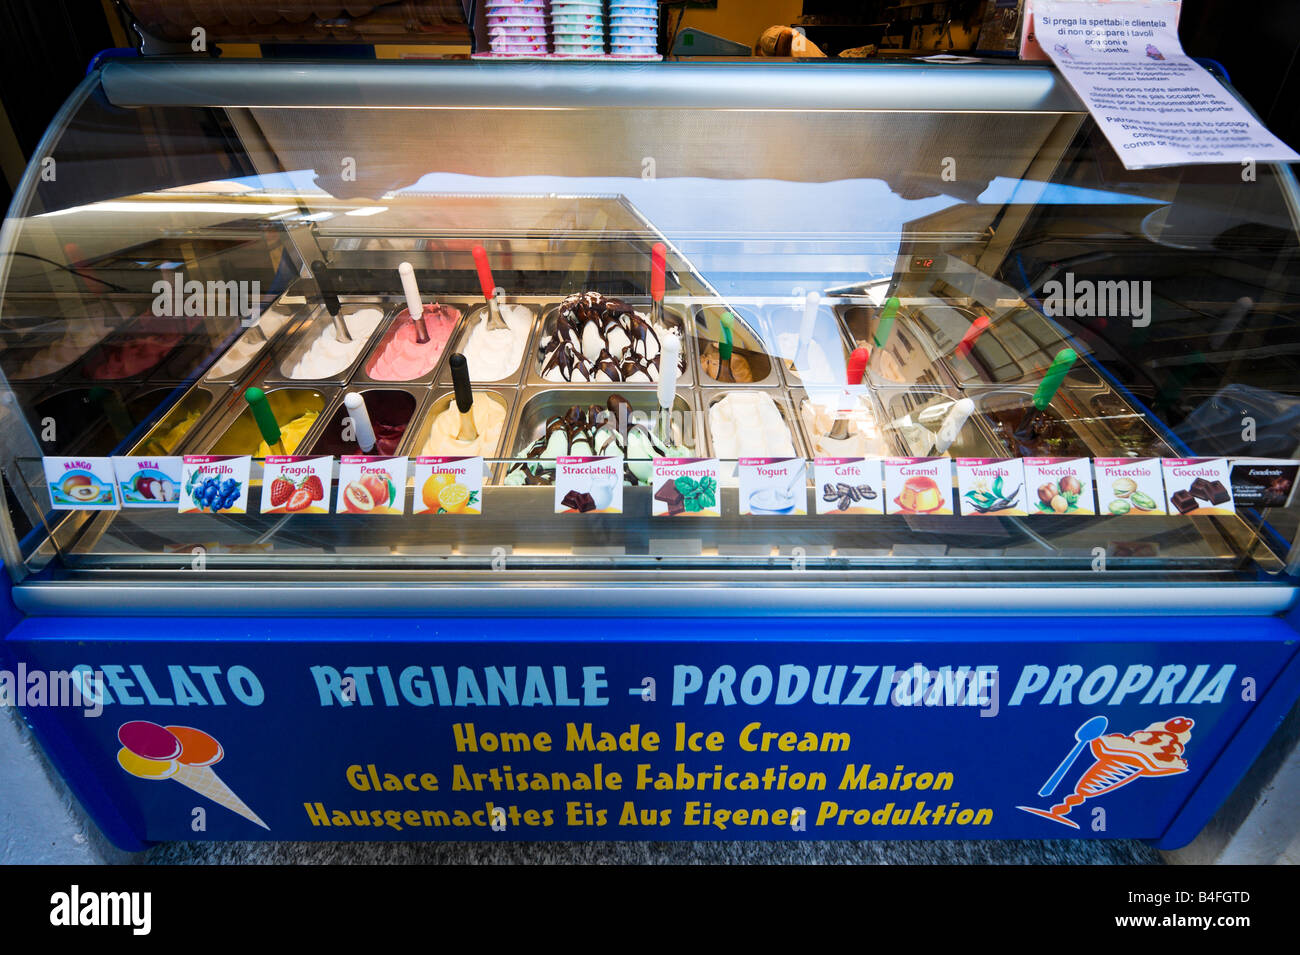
[215,483]
[371,485]
[448,485]
[1128,487]
[297,484]
[81,484]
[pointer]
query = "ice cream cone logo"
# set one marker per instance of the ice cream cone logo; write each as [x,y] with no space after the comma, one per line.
[1118,760]
[182,754]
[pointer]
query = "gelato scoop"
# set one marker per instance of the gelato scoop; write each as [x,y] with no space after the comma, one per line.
[748,424]
[489,418]
[741,370]
[291,434]
[495,353]
[389,411]
[328,356]
[601,339]
[401,356]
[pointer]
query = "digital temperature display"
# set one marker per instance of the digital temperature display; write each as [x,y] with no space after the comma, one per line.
[923,264]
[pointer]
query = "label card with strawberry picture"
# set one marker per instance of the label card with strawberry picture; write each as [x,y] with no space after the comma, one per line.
[215,483]
[81,484]
[849,486]
[446,485]
[296,484]
[991,487]
[369,484]
[149,481]
[1060,486]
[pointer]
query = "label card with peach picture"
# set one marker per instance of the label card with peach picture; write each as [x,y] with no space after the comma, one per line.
[81,484]
[1195,486]
[991,487]
[848,486]
[918,485]
[215,483]
[370,484]
[587,485]
[1060,486]
[448,485]
[1129,486]
[296,484]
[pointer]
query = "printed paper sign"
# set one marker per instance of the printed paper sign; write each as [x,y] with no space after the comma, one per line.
[297,484]
[448,485]
[81,484]
[586,485]
[1198,486]
[1129,486]
[149,481]
[1059,486]
[1263,482]
[773,486]
[991,487]
[217,484]
[685,487]
[849,486]
[370,484]
[1156,106]
[918,485]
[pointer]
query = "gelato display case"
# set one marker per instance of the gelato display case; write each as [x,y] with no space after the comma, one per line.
[804,417]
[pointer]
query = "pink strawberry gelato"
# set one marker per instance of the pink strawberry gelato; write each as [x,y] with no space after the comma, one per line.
[401,357]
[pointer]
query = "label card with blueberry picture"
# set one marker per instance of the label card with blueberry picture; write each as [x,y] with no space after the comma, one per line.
[1128,487]
[685,487]
[991,487]
[1060,486]
[297,484]
[448,485]
[214,483]
[149,481]
[369,484]
[849,486]
[1196,486]
[81,484]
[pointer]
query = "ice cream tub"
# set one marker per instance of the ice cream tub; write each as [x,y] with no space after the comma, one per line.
[726,418]
[1059,431]
[175,432]
[818,411]
[495,356]
[150,347]
[393,411]
[434,432]
[1131,429]
[315,354]
[908,357]
[297,411]
[914,418]
[827,356]
[749,357]
[1016,348]
[395,355]
[541,348]
[47,347]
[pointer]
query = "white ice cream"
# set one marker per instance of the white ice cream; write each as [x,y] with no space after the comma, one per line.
[813,367]
[328,356]
[493,354]
[864,440]
[747,424]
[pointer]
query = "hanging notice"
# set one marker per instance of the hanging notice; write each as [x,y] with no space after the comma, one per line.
[1157,106]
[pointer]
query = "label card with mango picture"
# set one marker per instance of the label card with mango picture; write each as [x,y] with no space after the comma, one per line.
[448,485]
[371,485]
[296,484]
[215,483]
[81,484]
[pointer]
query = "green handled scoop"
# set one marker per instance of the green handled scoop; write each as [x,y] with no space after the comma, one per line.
[265,419]
[724,348]
[1047,389]
[886,325]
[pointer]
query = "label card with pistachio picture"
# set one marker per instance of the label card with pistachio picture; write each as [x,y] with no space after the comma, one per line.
[849,486]
[1128,487]
[991,487]
[1059,486]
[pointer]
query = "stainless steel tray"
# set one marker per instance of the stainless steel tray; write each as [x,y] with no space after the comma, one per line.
[747,337]
[526,361]
[314,323]
[332,419]
[361,377]
[672,316]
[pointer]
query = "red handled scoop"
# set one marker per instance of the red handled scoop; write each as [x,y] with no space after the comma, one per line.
[495,321]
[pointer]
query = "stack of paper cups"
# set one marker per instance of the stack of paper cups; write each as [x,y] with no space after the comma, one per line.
[578,27]
[634,27]
[517,27]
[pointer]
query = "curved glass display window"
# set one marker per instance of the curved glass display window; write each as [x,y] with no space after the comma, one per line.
[818,327]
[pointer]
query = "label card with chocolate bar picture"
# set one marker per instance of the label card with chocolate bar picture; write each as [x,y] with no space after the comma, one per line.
[1196,486]
[1128,487]
[1059,486]
[685,487]
[1263,482]
[773,486]
[589,485]
[918,485]
[849,486]
[991,487]
[448,485]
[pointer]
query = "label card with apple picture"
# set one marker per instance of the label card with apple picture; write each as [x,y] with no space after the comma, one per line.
[918,485]
[370,484]
[297,484]
[1195,486]
[587,485]
[991,487]
[448,485]
[849,486]
[215,483]
[1060,486]
[149,481]
[1129,486]
[81,484]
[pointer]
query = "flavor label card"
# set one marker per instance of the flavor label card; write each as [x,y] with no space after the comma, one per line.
[296,484]
[1060,486]
[918,485]
[685,487]
[217,484]
[991,487]
[81,484]
[149,482]
[587,485]
[1263,482]
[1198,486]
[370,484]
[773,486]
[849,486]
[448,485]
[1129,486]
